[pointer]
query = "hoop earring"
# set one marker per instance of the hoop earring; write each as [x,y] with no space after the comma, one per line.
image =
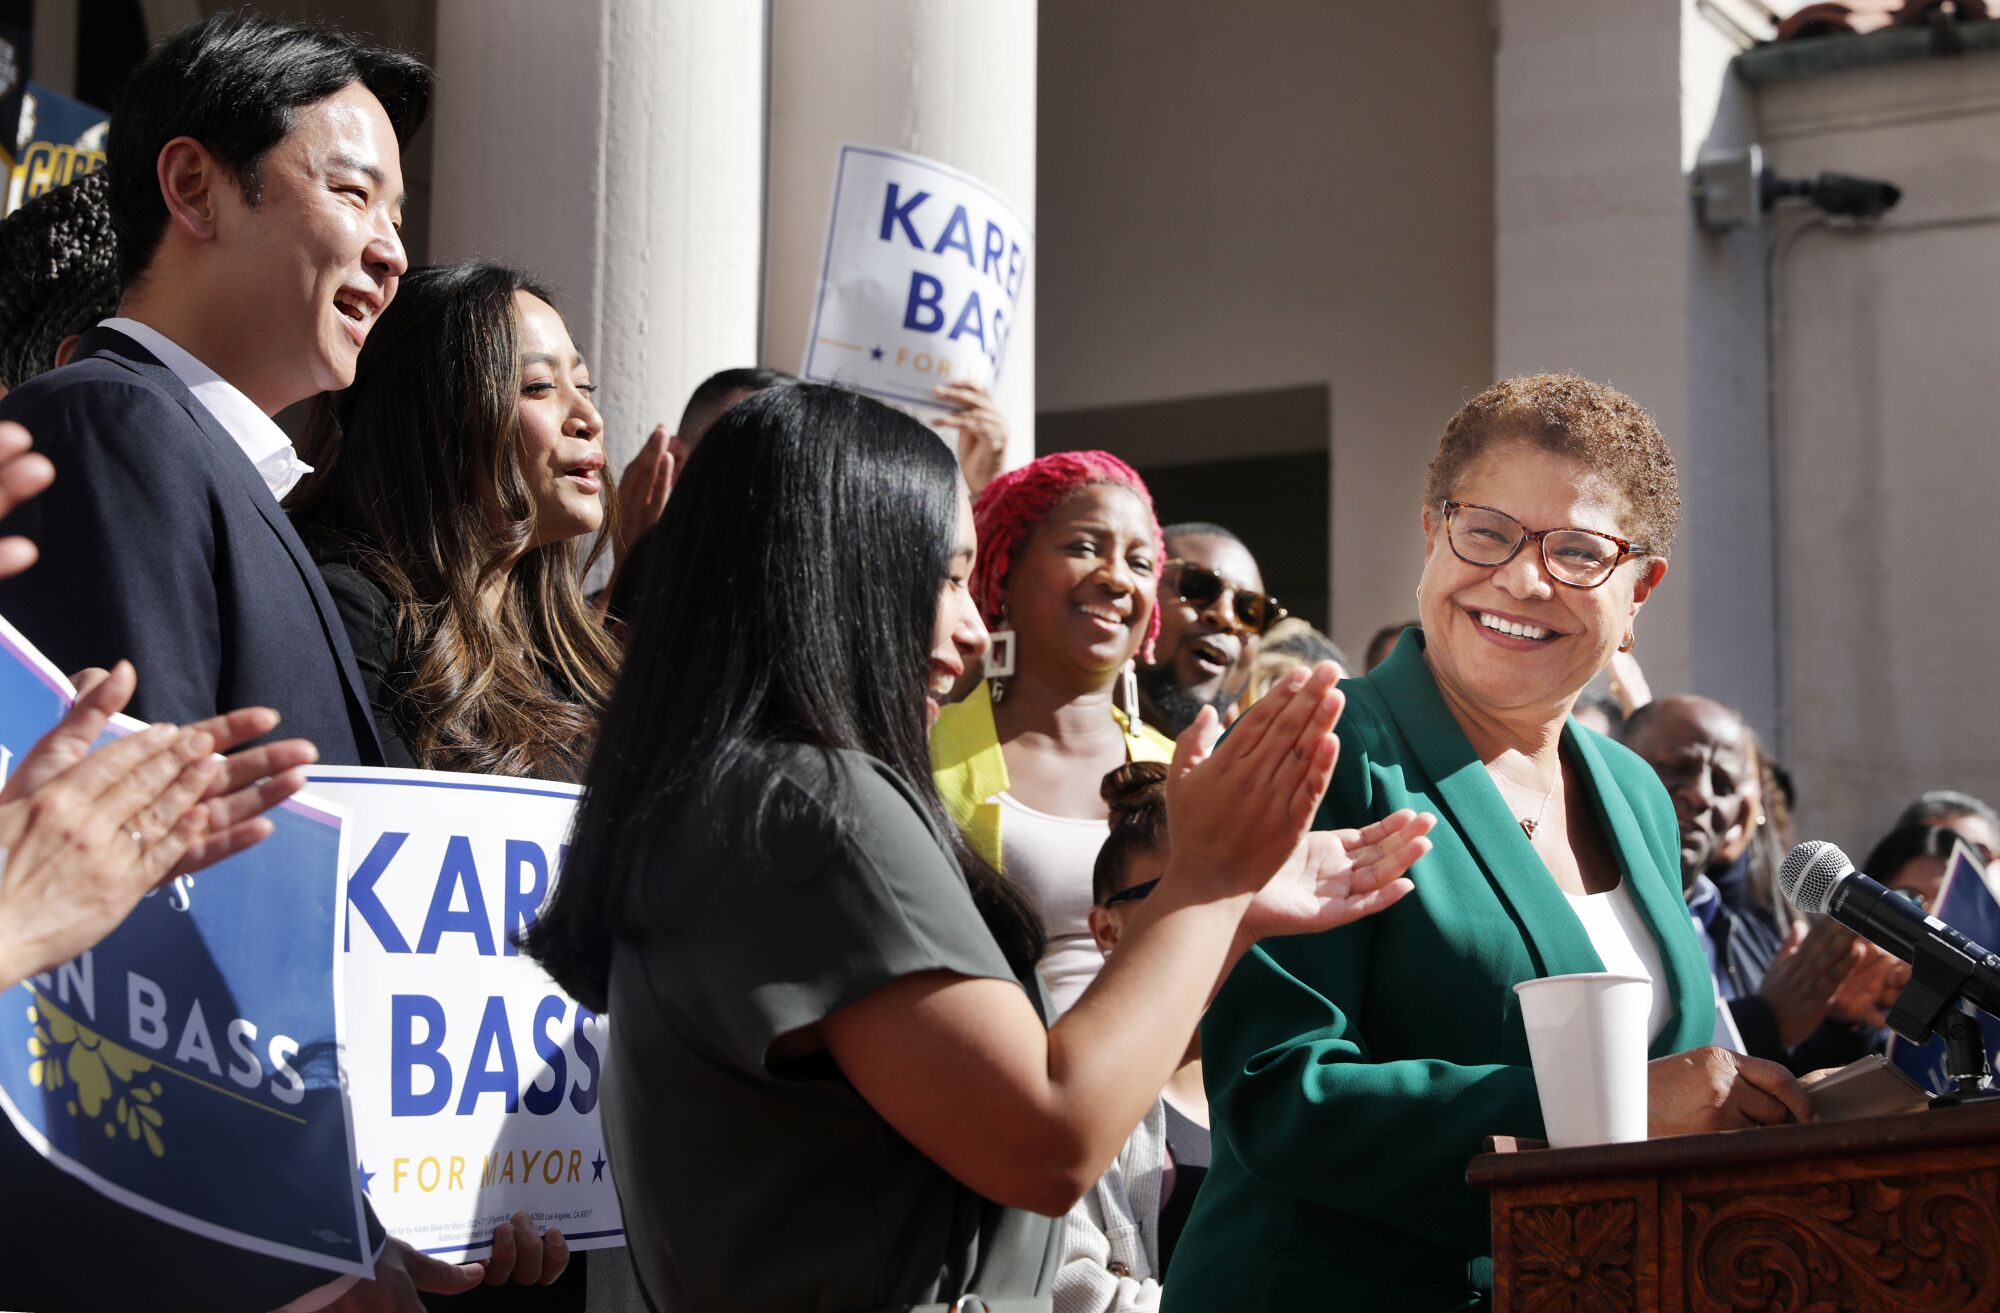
[1626,646]
[1128,685]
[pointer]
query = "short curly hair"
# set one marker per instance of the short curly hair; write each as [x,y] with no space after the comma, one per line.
[1014,505]
[1597,426]
[58,274]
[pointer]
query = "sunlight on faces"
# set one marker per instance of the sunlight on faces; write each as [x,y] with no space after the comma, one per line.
[1504,674]
[562,435]
[1080,591]
[316,261]
[959,637]
[1210,653]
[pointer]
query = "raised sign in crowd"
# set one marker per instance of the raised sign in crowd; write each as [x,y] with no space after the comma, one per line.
[906,886]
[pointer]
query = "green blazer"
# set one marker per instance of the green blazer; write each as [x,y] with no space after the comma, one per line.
[1352,1074]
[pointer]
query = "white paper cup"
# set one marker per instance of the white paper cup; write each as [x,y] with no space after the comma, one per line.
[1587,1036]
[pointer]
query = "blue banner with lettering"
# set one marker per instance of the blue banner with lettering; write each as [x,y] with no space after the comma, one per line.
[187,1065]
[1966,903]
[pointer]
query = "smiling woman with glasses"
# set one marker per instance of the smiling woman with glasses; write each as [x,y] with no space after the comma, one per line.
[1354,1073]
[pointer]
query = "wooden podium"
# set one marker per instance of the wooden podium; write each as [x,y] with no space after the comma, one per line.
[1897,1213]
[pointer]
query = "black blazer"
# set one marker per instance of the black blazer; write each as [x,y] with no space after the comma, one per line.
[160,542]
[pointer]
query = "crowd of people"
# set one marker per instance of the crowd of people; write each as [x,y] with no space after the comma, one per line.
[958,959]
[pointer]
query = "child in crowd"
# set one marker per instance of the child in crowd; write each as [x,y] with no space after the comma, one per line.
[1119,1237]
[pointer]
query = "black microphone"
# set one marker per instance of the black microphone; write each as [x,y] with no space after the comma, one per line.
[1817,877]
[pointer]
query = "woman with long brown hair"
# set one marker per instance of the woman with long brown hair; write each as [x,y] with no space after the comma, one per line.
[452,483]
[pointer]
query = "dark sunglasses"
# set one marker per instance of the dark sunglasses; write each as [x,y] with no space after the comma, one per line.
[1132,895]
[1199,586]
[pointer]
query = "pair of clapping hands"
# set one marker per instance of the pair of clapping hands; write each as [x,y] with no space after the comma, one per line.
[86,832]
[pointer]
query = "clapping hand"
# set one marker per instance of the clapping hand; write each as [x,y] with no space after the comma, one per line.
[23,473]
[1870,990]
[1241,810]
[88,830]
[643,490]
[1807,976]
[1338,876]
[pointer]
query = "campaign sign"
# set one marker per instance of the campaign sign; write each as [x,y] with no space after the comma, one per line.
[1967,903]
[60,140]
[186,1065]
[474,1077]
[922,272]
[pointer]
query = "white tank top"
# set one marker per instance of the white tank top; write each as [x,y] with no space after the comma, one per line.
[1619,933]
[1050,858]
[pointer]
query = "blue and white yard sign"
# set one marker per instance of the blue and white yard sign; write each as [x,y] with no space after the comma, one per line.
[186,1065]
[1966,902]
[923,269]
[474,1078]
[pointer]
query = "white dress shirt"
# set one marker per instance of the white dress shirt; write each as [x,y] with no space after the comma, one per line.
[255,432]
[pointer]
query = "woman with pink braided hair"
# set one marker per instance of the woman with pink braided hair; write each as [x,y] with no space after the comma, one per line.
[1069,560]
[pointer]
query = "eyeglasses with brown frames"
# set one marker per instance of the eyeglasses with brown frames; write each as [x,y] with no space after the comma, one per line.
[1581,558]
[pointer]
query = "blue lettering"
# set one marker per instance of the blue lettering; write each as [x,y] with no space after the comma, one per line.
[894,214]
[537,1100]
[442,918]
[1015,265]
[580,1098]
[361,896]
[957,235]
[406,1053]
[494,1036]
[523,905]
[926,293]
[970,315]
[996,243]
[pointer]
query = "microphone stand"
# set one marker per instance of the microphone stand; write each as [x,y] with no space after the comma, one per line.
[1930,1003]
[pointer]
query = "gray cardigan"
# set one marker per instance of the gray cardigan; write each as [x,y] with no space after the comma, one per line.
[1118,1222]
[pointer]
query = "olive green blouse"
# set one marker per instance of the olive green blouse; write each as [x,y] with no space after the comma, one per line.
[760,1184]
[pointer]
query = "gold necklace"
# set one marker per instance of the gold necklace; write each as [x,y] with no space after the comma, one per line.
[1528,827]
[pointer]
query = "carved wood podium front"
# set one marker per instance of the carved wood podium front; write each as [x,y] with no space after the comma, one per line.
[1898,1213]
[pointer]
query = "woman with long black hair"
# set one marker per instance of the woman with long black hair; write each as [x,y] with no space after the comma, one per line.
[830,1083]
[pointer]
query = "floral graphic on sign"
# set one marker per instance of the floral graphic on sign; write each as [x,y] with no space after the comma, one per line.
[98,1073]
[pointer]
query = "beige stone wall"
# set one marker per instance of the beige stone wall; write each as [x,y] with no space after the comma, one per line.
[1271,194]
[1889,450]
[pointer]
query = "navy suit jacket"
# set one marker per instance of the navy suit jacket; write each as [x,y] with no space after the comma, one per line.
[161,543]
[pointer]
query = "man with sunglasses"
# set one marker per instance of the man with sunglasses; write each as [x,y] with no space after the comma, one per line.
[1213,612]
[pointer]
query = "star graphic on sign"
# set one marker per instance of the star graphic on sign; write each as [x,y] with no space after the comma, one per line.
[875,353]
[362,1172]
[597,1166]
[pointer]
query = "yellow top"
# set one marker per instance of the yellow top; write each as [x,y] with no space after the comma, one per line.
[971,774]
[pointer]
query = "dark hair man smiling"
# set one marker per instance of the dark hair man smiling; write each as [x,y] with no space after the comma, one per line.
[256,184]
[1213,613]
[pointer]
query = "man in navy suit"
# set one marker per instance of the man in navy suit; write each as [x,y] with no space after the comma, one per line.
[256,189]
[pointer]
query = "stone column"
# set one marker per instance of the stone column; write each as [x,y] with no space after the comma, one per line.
[616,149]
[1601,268]
[954,82]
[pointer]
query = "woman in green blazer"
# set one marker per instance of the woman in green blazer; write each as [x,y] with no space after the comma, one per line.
[1352,1074]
